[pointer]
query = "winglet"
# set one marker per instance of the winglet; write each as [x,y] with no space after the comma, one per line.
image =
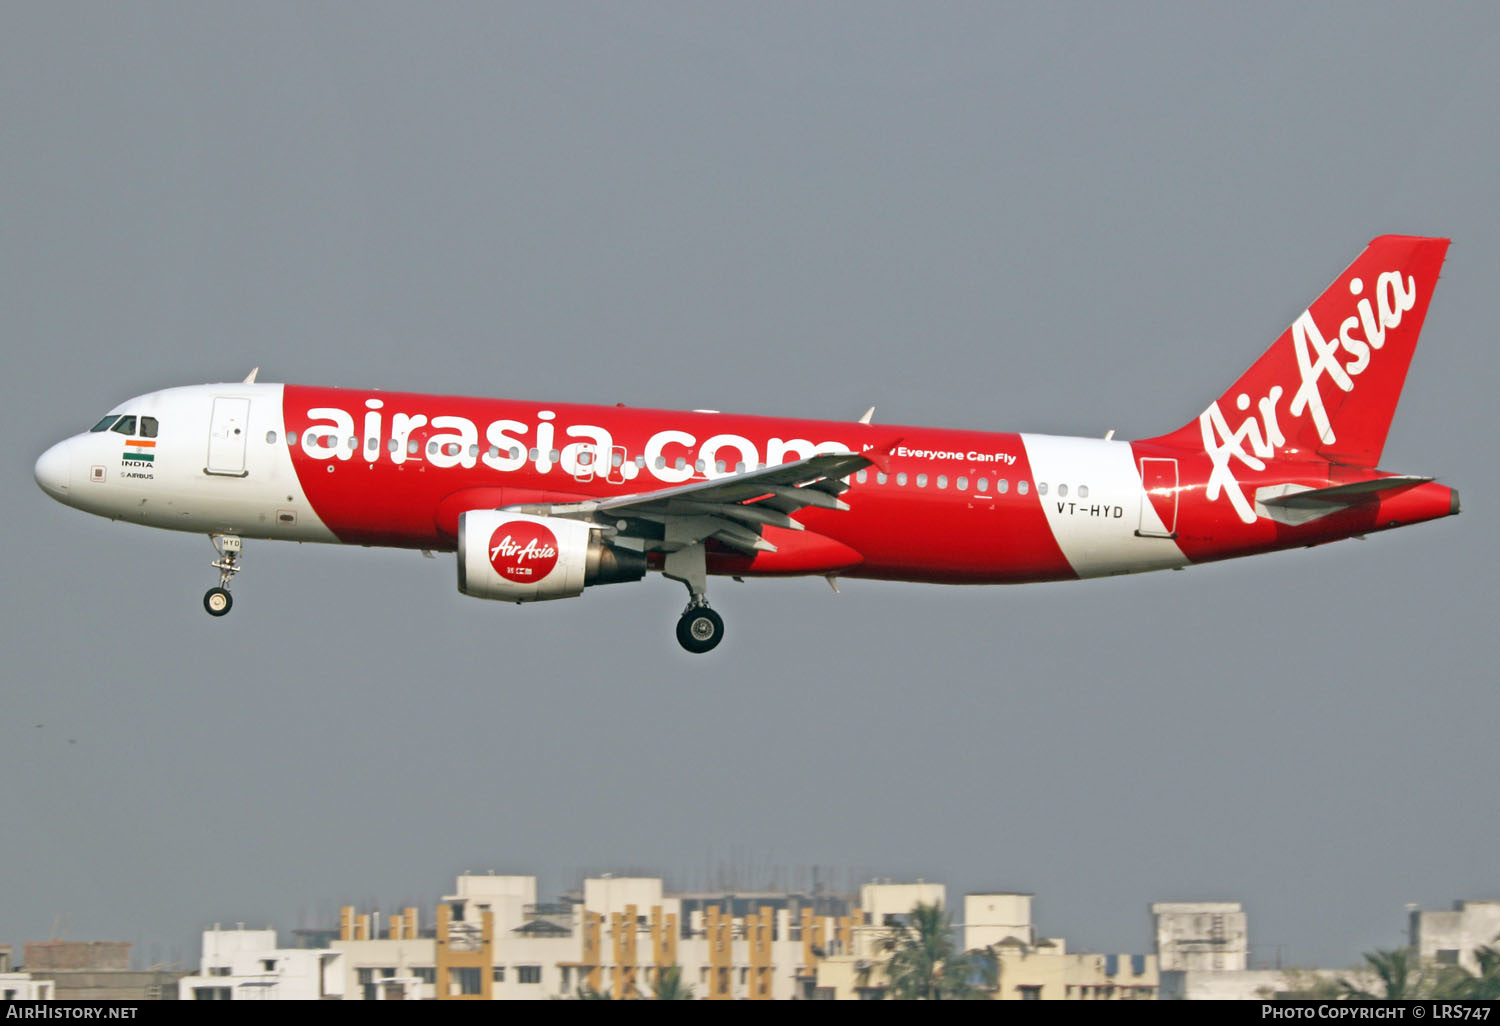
[250,378]
[868,414]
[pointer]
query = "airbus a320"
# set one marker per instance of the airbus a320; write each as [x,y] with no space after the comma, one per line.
[542,500]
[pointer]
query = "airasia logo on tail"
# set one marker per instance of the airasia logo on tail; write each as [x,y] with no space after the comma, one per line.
[1318,357]
[522,551]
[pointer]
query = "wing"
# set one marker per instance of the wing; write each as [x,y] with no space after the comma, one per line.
[731,509]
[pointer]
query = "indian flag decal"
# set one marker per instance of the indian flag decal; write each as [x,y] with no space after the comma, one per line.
[142,449]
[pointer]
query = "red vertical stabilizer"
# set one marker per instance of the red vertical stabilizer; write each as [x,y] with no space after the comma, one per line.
[1328,387]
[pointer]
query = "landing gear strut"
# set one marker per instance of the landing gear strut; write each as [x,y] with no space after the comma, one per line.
[699,629]
[218,601]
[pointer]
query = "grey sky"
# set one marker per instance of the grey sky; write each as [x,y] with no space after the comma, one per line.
[1063,218]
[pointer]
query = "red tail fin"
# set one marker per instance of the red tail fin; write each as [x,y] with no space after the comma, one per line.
[1328,387]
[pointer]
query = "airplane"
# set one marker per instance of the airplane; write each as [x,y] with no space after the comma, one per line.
[543,500]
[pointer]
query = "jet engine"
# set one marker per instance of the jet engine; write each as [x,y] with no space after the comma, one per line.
[518,557]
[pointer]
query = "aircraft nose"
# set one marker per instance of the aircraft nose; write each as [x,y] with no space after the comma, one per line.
[52,471]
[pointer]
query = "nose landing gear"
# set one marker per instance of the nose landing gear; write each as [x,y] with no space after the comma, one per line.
[218,601]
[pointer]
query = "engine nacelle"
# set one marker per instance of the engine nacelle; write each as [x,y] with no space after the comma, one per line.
[518,557]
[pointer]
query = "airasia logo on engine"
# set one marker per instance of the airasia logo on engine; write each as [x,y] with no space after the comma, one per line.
[523,552]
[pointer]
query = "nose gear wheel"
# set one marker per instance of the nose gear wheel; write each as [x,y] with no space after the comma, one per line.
[218,601]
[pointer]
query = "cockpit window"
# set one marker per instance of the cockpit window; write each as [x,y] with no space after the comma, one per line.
[104,424]
[148,427]
[126,426]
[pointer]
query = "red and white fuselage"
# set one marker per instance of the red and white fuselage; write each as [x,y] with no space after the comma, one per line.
[1286,457]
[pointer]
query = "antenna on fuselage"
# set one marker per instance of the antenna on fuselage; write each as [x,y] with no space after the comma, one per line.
[250,378]
[868,414]
[1109,434]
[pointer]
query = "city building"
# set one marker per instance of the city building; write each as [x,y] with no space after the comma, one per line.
[97,971]
[1028,967]
[1450,936]
[1033,968]
[493,939]
[18,986]
[1201,935]
[246,965]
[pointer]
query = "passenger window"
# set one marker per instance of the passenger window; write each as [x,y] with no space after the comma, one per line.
[739,468]
[411,447]
[554,455]
[1062,491]
[962,484]
[390,445]
[720,467]
[921,480]
[901,479]
[353,443]
[1022,487]
[942,481]
[984,484]
[126,426]
[617,459]
[291,438]
[661,463]
[270,438]
[106,423]
[148,427]
[861,477]
[880,478]
[1003,485]
[681,462]
[1083,491]
[1041,488]
[432,448]
[372,444]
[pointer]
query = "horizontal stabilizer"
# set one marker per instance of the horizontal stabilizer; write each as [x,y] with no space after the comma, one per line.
[1295,504]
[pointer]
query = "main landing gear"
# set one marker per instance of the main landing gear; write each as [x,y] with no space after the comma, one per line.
[218,601]
[700,629]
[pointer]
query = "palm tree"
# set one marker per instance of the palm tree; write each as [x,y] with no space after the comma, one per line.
[1458,983]
[1485,986]
[1400,974]
[668,985]
[925,964]
[1403,978]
